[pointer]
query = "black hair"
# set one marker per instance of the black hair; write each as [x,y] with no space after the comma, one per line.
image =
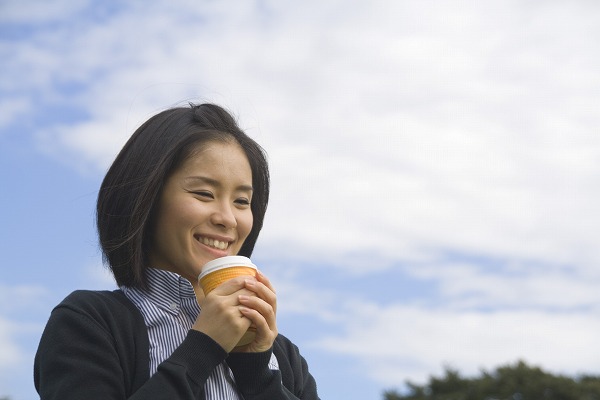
[129,195]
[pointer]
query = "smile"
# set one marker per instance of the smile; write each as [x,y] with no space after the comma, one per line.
[217,244]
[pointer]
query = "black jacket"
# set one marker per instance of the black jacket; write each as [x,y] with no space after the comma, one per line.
[95,346]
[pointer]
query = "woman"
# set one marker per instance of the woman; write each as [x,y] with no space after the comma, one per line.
[188,187]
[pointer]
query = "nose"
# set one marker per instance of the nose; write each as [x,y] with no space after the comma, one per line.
[223,215]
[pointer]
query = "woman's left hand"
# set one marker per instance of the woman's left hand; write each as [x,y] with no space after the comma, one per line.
[261,310]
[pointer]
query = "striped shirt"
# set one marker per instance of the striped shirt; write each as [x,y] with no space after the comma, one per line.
[170,309]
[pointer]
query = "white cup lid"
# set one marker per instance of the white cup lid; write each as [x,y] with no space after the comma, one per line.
[226,262]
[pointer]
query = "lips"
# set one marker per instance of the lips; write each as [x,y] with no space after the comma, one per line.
[215,244]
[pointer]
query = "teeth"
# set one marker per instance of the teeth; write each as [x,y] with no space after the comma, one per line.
[217,244]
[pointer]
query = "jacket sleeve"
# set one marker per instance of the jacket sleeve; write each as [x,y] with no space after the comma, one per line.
[81,357]
[256,381]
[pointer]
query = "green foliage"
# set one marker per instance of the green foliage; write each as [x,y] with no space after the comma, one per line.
[510,382]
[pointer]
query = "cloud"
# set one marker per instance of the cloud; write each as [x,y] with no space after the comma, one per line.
[538,287]
[24,296]
[12,109]
[402,342]
[11,352]
[24,310]
[17,307]
[476,318]
[39,11]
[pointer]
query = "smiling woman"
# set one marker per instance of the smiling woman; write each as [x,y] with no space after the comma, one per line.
[187,188]
[131,190]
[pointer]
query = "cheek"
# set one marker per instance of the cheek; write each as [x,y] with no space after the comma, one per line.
[179,214]
[246,223]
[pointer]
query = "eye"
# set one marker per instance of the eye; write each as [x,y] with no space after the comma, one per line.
[243,201]
[204,194]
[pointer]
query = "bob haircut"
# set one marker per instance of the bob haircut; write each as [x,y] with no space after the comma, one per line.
[129,195]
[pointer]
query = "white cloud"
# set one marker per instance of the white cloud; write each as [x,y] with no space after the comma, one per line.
[18,297]
[545,287]
[15,323]
[11,353]
[478,320]
[12,109]
[39,11]
[400,342]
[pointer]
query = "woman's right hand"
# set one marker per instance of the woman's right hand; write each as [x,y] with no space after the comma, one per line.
[220,317]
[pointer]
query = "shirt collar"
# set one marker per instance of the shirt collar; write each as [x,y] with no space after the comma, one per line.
[168,290]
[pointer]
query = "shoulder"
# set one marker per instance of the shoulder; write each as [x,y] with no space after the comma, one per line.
[288,353]
[284,344]
[294,368]
[109,314]
[87,332]
[95,298]
[100,305]
[80,297]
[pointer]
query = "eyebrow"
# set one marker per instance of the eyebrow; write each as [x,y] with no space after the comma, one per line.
[214,182]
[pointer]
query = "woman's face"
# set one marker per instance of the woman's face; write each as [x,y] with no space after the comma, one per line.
[204,210]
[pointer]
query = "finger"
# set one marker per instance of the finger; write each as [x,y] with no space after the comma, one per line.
[262,307]
[265,334]
[222,320]
[262,290]
[231,286]
[264,280]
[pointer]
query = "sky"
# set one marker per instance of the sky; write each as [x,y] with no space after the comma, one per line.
[435,170]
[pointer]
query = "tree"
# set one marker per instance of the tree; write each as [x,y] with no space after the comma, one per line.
[509,382]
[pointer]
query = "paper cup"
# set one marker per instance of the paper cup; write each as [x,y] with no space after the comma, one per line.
[222,269]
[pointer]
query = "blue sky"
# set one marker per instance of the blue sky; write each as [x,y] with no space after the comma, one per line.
[435,170]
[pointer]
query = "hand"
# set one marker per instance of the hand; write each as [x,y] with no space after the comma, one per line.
[261,310]
[221,317]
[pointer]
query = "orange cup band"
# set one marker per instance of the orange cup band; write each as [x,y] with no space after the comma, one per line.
[214,279]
